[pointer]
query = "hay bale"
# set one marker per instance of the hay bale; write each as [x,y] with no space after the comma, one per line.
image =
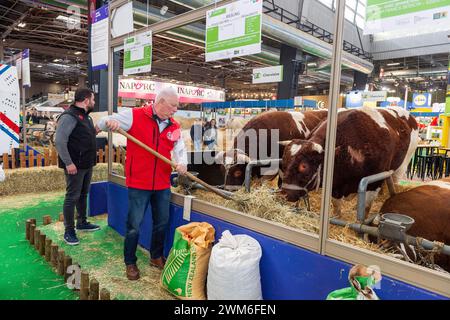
[45,179]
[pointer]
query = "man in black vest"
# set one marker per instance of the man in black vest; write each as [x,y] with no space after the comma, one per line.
[75,142]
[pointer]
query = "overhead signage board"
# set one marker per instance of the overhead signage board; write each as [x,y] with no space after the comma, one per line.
[147,89]
[233,30]
[421,100]
[138,53]
[392,15]
[268,75]
[19,66]
[9,113]
[374,96]
[122,20]
[26,80]
[99,39]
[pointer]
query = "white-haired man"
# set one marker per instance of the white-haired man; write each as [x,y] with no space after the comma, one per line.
[147,177]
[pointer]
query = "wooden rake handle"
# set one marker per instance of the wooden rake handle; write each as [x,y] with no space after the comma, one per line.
[172,164]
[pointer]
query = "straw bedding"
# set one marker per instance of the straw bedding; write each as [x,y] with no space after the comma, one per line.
[265,203]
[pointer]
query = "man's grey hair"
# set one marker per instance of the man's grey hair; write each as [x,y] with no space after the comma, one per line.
[166,92]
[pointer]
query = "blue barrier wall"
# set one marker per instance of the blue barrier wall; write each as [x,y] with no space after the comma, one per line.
[287,271]
[98,198]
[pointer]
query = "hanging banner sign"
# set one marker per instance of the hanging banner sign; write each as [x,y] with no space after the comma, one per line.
[147,89]
[19,66]
[421,100]
[9,113]
[99,39]
[26,81]
[233,30]
[268,75]
[122,20]
[137,53]
[394,15]
[374,96]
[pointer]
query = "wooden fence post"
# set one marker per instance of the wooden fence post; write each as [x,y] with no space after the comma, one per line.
[54,254]
[84,285]
[100,156]
[13,158]
[39,160]
[27,229]
[32,228]
[48,250]
[47,220]
[31,160]
[42,239]
[60,265]
[54,156]
[37,235]
[46,157]
[5,161]
[93,290]
[23,163]
[104,294]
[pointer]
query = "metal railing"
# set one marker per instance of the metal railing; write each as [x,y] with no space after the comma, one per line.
[269,7]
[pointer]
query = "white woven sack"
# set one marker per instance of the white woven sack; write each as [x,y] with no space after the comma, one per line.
[233,272]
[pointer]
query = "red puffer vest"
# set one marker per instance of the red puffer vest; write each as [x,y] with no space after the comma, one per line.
[144,170]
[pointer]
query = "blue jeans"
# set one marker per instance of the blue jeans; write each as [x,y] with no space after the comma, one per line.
[77,190]
[197,145]
[138,201]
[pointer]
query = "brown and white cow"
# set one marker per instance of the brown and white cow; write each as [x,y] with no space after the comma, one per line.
[429,206]
[368,141]
[291,125]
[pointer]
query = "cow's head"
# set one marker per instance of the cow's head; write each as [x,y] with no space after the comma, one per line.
[301,168]
[233,164]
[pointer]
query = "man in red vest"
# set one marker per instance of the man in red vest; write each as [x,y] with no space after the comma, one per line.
[147,177]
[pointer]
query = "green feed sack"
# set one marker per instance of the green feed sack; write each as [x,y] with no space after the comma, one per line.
[185,272]
[24,274]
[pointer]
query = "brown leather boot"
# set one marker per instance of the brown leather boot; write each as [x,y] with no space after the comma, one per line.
[159,262]
[132,272]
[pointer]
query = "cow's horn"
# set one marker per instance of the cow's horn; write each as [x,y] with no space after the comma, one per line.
[285,142]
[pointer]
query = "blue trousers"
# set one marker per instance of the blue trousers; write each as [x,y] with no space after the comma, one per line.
[138,201]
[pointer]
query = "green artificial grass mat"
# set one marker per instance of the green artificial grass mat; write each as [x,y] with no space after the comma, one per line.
[24,274]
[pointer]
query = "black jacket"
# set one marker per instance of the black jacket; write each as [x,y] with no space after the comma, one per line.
[82,143]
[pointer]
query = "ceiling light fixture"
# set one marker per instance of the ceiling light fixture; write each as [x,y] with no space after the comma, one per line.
[393,64]
[67,19]
[56,60]
[308,87]
[77,53]
[57,82]
[22,25]
[217,66]
[39,66]
[163,10]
